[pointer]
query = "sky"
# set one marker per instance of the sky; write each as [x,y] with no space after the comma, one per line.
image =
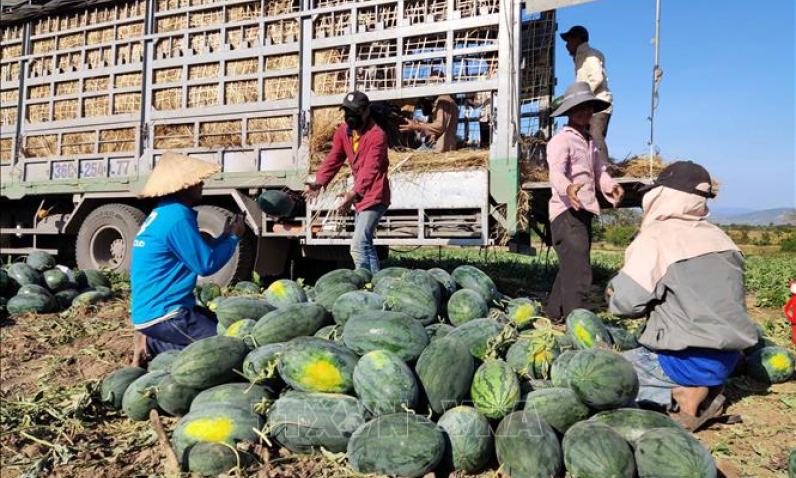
[727,100]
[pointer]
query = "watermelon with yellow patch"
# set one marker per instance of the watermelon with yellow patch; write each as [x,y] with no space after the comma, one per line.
[522,312]
[586,330]
[534,354]
[242,329]
[285,292]
[771,364]
[317,365]
[215,424]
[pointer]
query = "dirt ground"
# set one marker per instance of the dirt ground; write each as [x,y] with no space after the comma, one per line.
[51,423]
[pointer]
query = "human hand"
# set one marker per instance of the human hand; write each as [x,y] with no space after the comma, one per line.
[409,127]
[348,199]
[616,195]
[572,194]
[311,191]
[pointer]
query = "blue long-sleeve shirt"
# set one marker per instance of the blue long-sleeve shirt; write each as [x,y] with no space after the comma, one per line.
[168,256]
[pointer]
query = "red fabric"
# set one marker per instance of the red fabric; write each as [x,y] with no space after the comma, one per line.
[369,165]
[790,314]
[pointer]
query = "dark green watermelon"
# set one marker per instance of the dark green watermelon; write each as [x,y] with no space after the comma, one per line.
[90,297]
[364,274]
[8,286]
[115,384]
[443,388]
[468,439]
[353,303]
[173,398]
[495,390]
[771,364]
[332,292]
[437,331]
[384,330]
[401,444]
[389,272]
[522,312]
[476,334]
[425,280]
[276,203]
[209,362]
[466,305]
[527,447]
[233,309]
[595,450]
[664,452]
[251,398]
[31,303]
[260,365]
[163,361]
[602,379]
[559,407]
[242,330]
[337,277]
[416,302]
[92,278]
[212,459]
[587,330]
[559,371]
[207,293]
[245,287]
[284,292]
[318,365]
[66,297]
[622,339]
[291,321]
[40,260]
[55,279]
[217,424]
[632,423]
[23,274]
[140,397]
[470,277]
[445,281]
[384,383]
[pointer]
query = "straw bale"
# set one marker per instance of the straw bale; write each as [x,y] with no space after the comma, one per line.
[283,31]
[74,40]
[331,56]
[174,136]
[67,110]
[120,140]
[11,32]
[206,18]
[277,129]
[38,113]
[97,106]
[280,7]
[126,103]
[102,35]
[100,83]
[172,23]
[205,70]
[131,53]
[78,143]
[330,82]
[196,3]
[248,66]
[10,71]
[169,47]
[68,62]
[324,122]
[168,75]
[6,150]
[430,161]
[167,99]
[332,24]
[281,62]
[12,96]
[8,116]
[201,96]
[133,30]
[46,45]
[205,42]
[237,35]
[165,5]
[41,146]
[240,92]
[99,57]
[281,88]
[240,13]
[220,134]
[10,51]
[64,88]
[127,80]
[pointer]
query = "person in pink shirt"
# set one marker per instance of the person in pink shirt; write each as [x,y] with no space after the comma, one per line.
[577,174]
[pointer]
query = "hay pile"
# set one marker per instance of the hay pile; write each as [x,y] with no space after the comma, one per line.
[174,136]
[323,123]
[41,146]
[637,167]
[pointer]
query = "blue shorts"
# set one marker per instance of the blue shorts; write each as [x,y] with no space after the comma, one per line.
[180,331]
[655,387]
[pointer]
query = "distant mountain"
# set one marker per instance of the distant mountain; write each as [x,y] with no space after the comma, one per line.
[777,217]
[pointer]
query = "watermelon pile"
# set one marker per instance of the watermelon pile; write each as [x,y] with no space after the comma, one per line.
[407,372]
[39,286]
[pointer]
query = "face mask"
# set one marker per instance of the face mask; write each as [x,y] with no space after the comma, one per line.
[354,121]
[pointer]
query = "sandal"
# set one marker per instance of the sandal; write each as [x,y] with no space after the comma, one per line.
[693,424]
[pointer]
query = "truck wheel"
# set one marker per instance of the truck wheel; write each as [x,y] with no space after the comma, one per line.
[211,221]
[105,239]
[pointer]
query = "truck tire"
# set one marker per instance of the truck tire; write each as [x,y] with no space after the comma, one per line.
[105,239]
[211,221]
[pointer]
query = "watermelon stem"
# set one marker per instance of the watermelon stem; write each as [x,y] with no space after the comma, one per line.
[264,435]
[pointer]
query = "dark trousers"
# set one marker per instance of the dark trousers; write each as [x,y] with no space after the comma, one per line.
[571,233]
[180,331]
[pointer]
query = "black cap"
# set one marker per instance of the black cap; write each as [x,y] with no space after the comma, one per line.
[684,176]
[577,31]
[356,101]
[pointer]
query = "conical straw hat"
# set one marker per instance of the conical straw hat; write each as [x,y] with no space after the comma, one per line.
[175,172]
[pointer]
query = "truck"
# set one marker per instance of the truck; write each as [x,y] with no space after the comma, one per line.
[93,93]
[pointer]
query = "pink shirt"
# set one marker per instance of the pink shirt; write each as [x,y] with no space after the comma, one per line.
[575,159]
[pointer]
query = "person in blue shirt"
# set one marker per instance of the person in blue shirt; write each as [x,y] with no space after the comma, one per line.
[169,254]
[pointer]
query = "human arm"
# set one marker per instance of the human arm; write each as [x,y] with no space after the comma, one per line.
[627,298]
[608,186]
[200,257]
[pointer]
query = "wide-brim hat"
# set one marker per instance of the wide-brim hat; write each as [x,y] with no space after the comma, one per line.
[577,94]
[175,172]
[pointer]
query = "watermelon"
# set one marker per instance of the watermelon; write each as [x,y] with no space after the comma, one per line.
[295,320]
[211,459]
[65,297]
[559,371]
[92,278]
[389,272]
[470,277]
[209,362]
[330,332]
[163,361]
[445,281]
[443,388]
[306,422]
[140,397]
[260,365]
[318,366]
[364,274]
[670,452]
[337,277]
[476,334]
[587,330]
[632,423]
[384,383]
[91,297]
[425,280]
[55,279]
[437,331]
[247,288]
[468,439]
[115,384]
[602,379]
[466,305]
[762,341]
[173,398]
[400,444]
[383,286]
[8,286]
[495,389]
[383,330]
[217,424]
[533,356]
[771,364]
[285,292]
[276,203]
[417,302]
[40,260]
[622,339]
[31,303]
[24,274]
[355,302]
[252,398]
[234,309]
[527,447]
[595,450]
[208,292]
[332,292]
[242,330]
[33,289]
[559,407]
[522,312]
[213,305]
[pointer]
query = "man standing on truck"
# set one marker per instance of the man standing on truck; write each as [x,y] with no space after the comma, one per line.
[365,145]
[443,120]
[576,174]
[590,68]
[169,254]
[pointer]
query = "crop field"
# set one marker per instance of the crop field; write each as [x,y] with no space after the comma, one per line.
[53,422]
